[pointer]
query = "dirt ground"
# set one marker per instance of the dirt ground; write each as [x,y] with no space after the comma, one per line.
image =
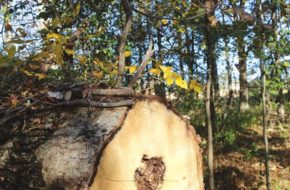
[243,167]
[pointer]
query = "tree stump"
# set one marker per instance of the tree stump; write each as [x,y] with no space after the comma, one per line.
[146,146]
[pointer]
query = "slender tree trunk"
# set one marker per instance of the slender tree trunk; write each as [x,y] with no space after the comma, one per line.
[210,108]
[264,107]
[209,128]
[229,73]
[264,93]
[244,97]
[123,39]
[215,78]
[288,84]
[230,84]
[181,60]
[229,70]
[242,54]
[190,53]
[159,87]
[277,73]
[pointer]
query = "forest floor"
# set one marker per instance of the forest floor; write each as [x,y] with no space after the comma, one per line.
[242,167]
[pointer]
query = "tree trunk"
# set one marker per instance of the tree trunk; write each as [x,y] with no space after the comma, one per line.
[265,110]
[159,87]
[123,39]
[244,95]
[147,146]
[277,65]
[264,106]
[210,108]
[190,52]
[239,27]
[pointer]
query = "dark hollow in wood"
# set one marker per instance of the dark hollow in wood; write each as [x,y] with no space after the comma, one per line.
[150,175]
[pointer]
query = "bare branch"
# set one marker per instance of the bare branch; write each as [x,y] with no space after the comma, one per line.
[148,55]
[124,35]
[113,92]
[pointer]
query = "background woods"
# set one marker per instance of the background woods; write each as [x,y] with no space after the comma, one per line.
[223,64]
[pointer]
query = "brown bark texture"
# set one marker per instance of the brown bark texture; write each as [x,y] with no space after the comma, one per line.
[145,146]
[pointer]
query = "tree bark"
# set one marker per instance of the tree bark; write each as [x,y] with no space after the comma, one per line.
[102,149]
[239,26]
[244,94]
[159,87]
[123,39]
[265,136]
[263,92]
[190,52]
[210,108]
[277,66]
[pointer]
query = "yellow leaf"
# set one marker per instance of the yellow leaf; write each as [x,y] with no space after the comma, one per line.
[96,61]
[181,30]
[27,73]
[99,74]
[115,72]
[169,81]
[176,76]
[100,64]
[127,53]
[69,51]
[155,71]
[195,86]
[181,83]
[40,76]
[165,69]
[41,55]
[33,66]
[132,69]
[11,52]
[82,59]
[58,51]
[52,35]
[164,22]
[78,8]
[213,21]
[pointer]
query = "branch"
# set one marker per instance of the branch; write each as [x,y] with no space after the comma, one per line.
[148,55]
[85,102]
[124,35]
[113,92]
[82,102]
[146,14]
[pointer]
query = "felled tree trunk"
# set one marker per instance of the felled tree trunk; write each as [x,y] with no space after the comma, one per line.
[146,146]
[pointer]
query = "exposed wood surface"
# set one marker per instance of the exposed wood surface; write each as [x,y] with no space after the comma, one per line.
[153,131]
